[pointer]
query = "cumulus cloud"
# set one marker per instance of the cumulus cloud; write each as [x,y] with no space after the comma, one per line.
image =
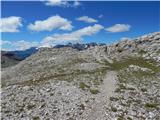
[73,36]
[62,3]
[76,3]
[19,45]
[51,23]
[118,28]
[4,42]
[22,44]
[56,3]
[87,19]
[10,24]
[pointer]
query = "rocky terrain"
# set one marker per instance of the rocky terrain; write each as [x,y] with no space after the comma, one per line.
[115,82]
[11,58]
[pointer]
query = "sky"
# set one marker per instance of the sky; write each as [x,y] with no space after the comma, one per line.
[47,23]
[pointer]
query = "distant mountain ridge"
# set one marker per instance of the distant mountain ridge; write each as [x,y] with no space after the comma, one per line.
[24,53]
[79,46]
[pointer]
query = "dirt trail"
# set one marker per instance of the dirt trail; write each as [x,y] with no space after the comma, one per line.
[98,109]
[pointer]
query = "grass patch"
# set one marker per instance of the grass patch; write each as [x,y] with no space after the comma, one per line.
[120,50]
[36,118]
[82,106]
[130,88]
[142,52]
[94,91]
[97,82]
[117,90]
[63,76]
[118,65]
[113,99]
[128,118]
[120,118]
[143,89]
[158,51]
[113,109]
[83,86]
[151,105]
[71,118]
[122,86]
[30,106]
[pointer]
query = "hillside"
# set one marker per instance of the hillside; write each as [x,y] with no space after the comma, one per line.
[11,58]
[120,81]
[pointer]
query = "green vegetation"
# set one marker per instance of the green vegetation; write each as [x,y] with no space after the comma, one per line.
[158,51]
[7,111]
[113,109]
[120,50]
[137,78]
[143,89]
[151,105]
[130,88]
[118,65]
[120,118]
[66,76]
[36,118]
[30,106]
[71,118]
[51,94]
[83,86]
[117,90]
[128,118]
[122,86]
[94,91]
[142,52]
[97,82]
[113,99]
[82,106]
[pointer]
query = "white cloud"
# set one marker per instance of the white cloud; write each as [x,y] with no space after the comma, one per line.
[76,3]
[10,24]
[4,42]
[56,3]
[100,16]
[73,36]
[54,22]
[125,38]
[19,45]
[22,45]
[119,28]
[62,3]
[87,19]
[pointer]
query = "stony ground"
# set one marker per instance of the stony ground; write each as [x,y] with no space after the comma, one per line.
[137,96]
[116,82]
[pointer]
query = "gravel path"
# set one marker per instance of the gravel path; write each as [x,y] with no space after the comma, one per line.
[98,108]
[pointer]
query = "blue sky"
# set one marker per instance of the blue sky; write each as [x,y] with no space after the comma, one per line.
[61,22]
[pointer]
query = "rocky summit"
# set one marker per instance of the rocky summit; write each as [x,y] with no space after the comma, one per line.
[120,81]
